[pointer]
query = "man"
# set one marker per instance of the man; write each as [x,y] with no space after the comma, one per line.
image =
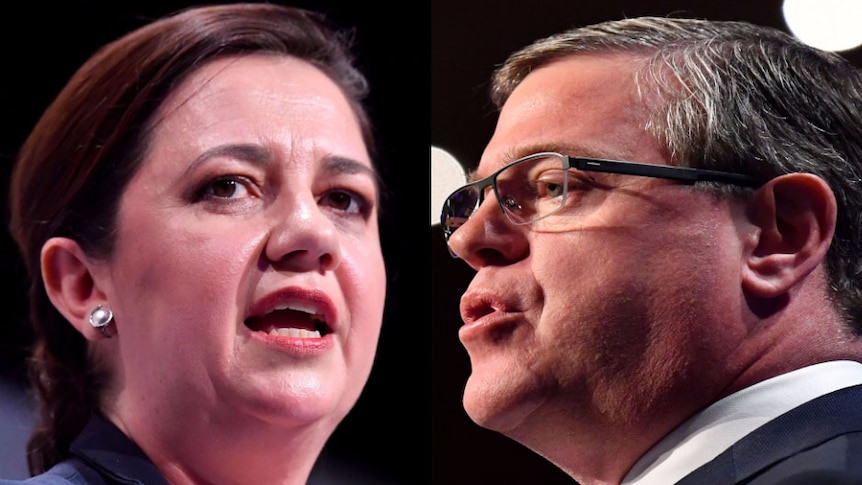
[665,228]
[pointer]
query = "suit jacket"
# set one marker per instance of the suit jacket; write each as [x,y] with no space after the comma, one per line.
[817,443]
[103,455]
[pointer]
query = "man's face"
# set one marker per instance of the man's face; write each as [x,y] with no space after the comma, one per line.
[610,310]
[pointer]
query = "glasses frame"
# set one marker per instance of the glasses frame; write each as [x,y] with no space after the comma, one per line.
[587,164]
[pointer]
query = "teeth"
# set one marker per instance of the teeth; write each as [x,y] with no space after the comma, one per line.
[294,333]
[304,307]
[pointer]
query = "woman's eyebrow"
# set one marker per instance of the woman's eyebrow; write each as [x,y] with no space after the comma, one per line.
[339,164]
[249,152]
[336,164]
[260,155]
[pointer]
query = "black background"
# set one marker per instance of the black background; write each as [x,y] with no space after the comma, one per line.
[469,38]
[424,70]
[388,433]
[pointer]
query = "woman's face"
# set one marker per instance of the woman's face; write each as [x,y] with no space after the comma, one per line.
[247,283]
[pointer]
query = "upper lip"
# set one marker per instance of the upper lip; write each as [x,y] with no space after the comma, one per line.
[312,301]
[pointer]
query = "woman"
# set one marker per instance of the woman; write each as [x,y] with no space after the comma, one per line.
[208,284]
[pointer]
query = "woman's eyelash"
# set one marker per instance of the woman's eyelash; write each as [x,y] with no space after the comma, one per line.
[356,202]
[223,187]
[343,200]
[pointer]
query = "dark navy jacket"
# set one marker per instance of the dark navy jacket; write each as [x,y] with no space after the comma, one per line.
[102,455]
[818,443]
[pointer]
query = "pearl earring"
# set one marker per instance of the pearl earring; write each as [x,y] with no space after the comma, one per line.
[100,318]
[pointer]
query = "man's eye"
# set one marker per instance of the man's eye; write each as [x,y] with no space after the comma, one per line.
[549,189]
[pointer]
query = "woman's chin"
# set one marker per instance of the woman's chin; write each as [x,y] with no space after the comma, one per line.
[300,403]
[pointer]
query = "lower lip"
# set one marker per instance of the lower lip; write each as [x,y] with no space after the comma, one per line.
[486,327]
[298,346]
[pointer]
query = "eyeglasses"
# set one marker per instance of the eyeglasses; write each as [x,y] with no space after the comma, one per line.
[534,187]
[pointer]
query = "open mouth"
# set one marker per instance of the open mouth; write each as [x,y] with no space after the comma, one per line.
[290,320]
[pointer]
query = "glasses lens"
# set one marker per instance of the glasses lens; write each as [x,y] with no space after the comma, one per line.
[458,207]
[533,188]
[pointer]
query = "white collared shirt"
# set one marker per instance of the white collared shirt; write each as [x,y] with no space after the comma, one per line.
[713,430]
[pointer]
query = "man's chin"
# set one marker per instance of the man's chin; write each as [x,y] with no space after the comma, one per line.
[496,404]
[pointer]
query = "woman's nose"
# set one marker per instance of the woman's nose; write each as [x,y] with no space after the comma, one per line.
[302,237]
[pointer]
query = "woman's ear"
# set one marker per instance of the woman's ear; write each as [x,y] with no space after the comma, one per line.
[69,282]
[795,215]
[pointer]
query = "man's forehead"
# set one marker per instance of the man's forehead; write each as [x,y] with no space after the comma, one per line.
[579,105]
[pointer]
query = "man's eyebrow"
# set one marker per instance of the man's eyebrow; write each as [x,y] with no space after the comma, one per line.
[564,148]
[520,151]
[472,176]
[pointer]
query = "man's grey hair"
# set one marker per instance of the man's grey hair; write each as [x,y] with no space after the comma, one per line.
[738,97]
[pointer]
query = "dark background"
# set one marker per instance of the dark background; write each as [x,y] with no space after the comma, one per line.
[409,421]
[387,436]
[469,38]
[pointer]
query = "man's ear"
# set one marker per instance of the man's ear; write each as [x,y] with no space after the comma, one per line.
[69,282]
[795,215]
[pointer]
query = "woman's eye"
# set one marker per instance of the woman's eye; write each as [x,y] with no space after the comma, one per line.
[346,201]
[226,188]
